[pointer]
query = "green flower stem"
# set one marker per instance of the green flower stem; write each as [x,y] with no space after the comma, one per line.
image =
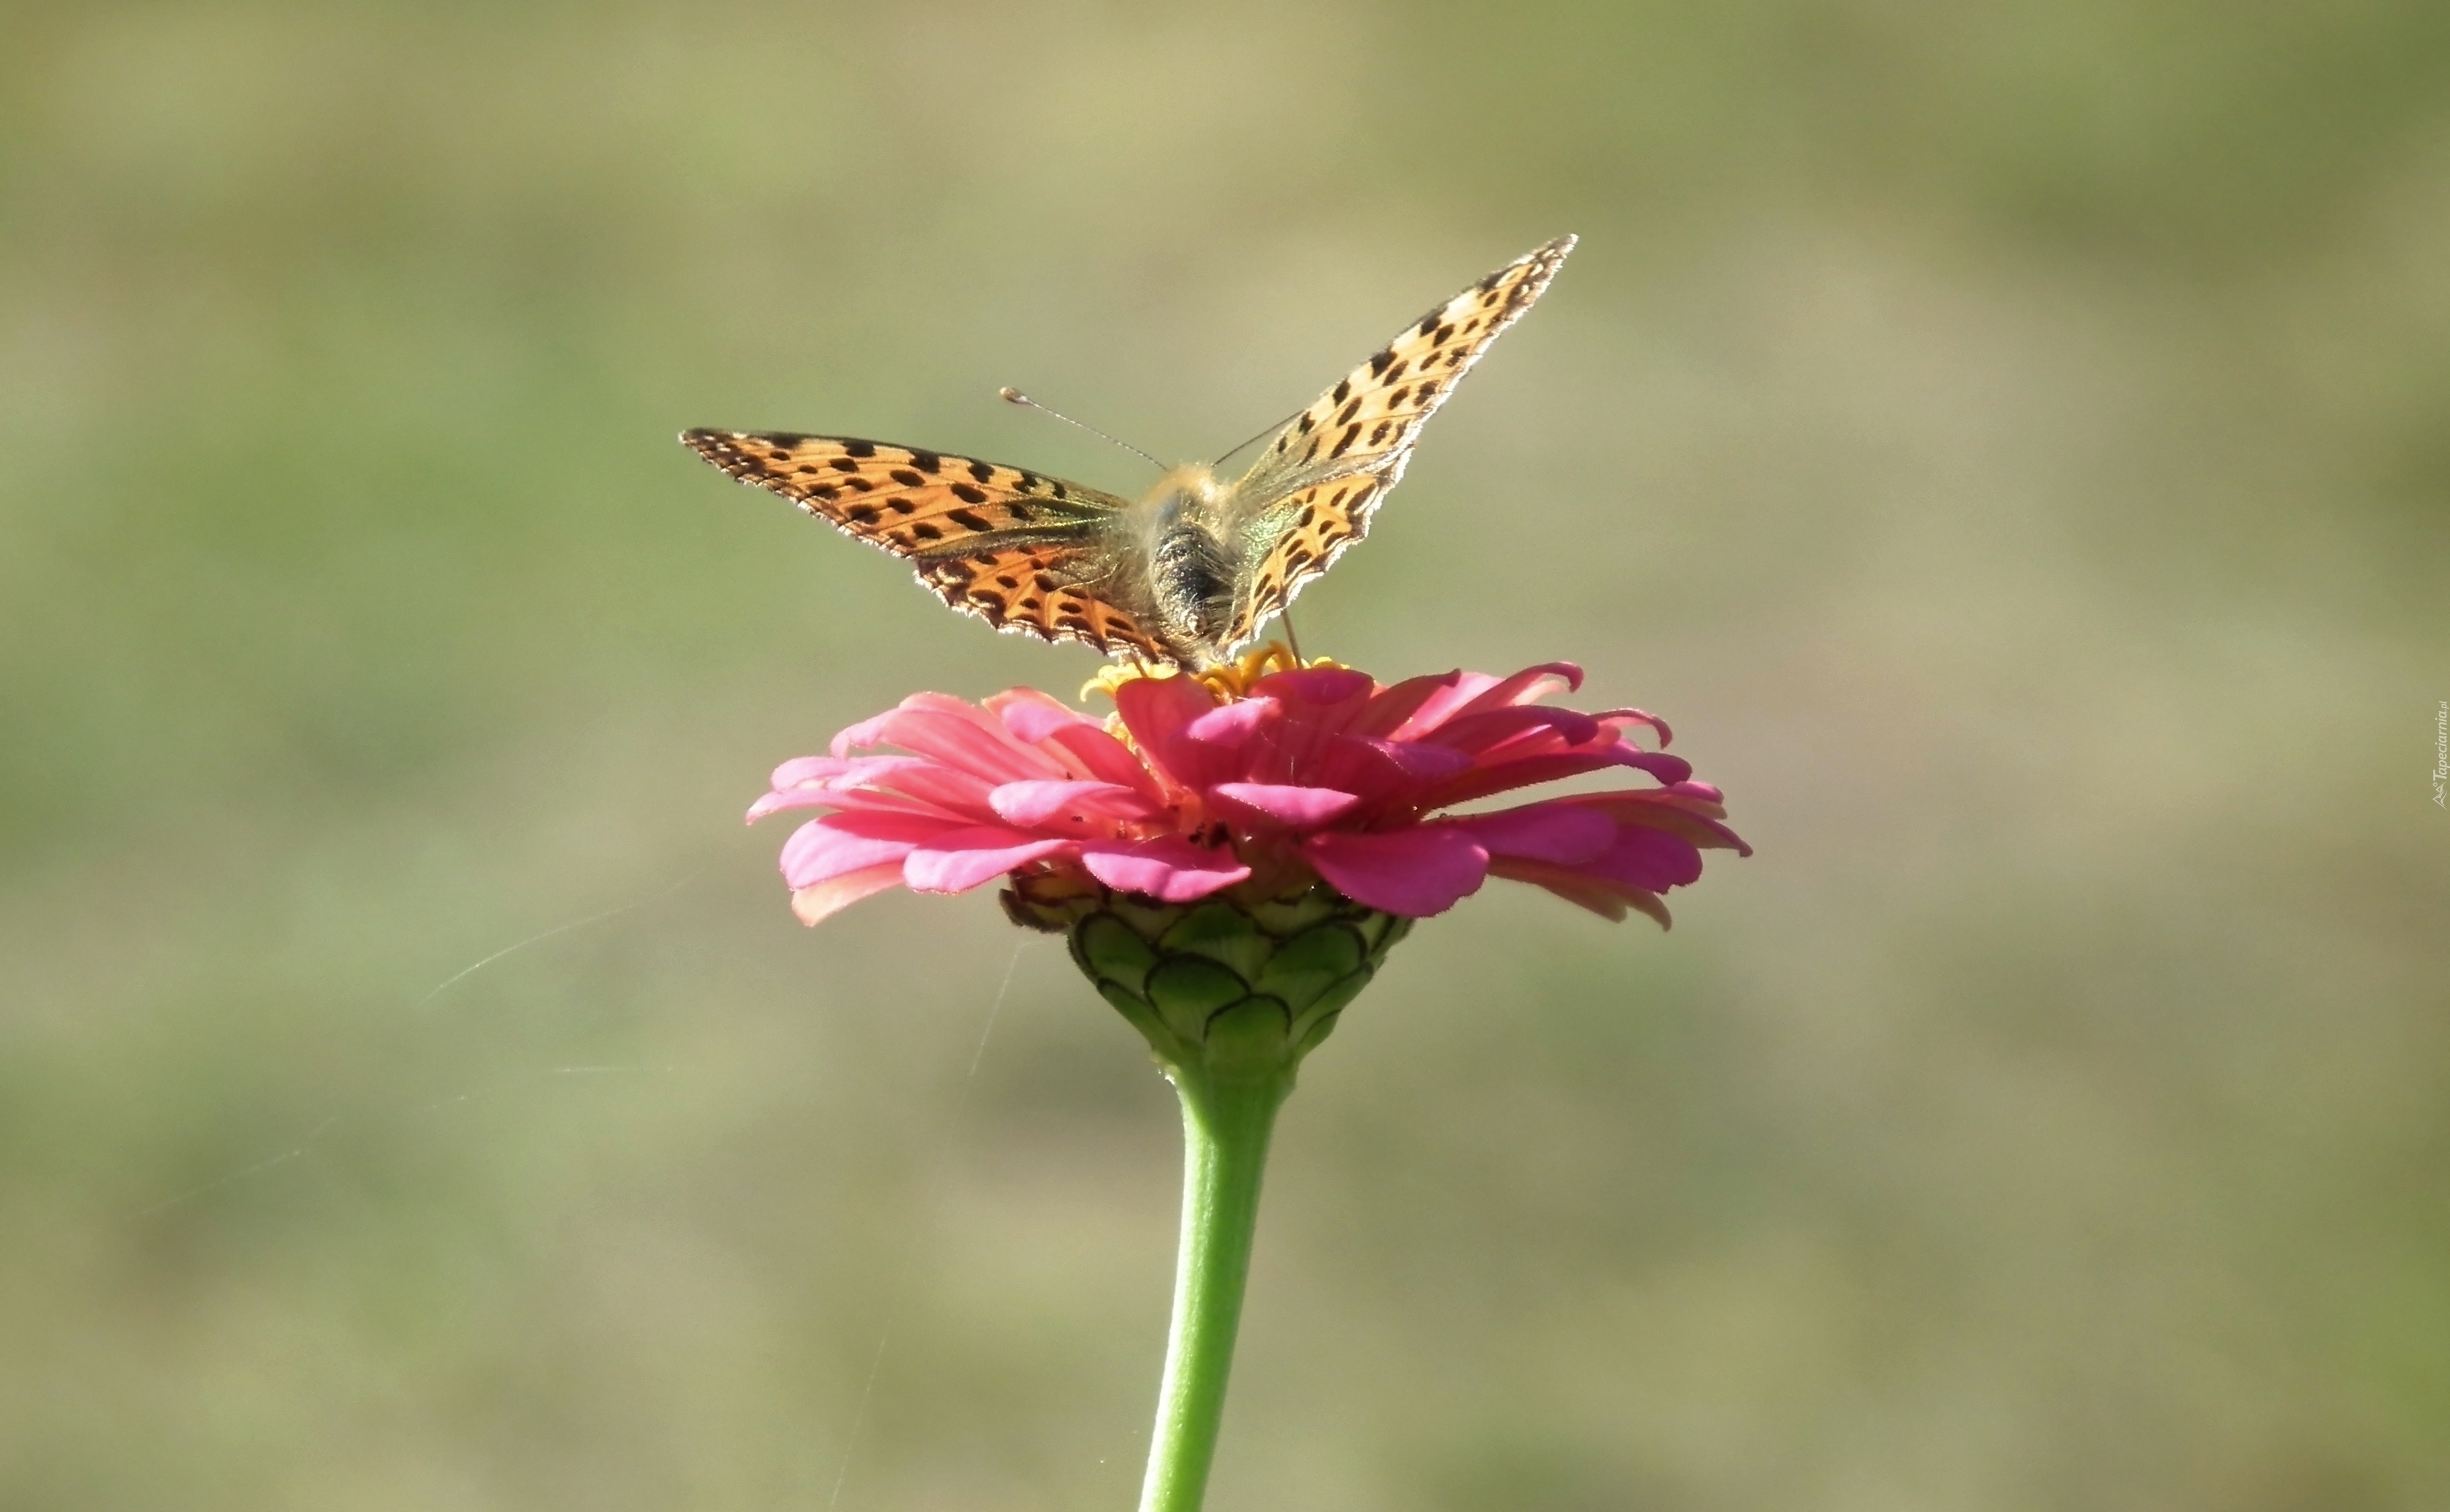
[1229,992]
[1228,1112]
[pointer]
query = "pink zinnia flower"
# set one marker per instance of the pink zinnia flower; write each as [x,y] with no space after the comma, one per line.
[1318,771]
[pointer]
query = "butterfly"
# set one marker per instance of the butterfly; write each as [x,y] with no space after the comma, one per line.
[1189,574]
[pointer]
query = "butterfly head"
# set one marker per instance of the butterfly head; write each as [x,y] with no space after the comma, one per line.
[1184,493]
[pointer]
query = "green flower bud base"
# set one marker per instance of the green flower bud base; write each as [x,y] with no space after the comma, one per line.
[1229,992]
[1241,979]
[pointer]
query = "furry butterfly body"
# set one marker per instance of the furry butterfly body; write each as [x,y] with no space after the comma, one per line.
[1189,572]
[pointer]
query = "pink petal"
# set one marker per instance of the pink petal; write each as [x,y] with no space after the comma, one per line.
[1609,899]
[860,800]
[1621,718]
[1474,691]
[1382,770]
[1102,757]
[867,733]
[801,770]
[926,782]
[807,781]
[1562,833]
[1230,725]
[1525,686]
[1318,685]
[1390,707]
[957,708]
[1168,868]
[1678,813]
[879,729]
[1319,705]
[1039,804]
[792,798]
[827,848]
[1281,805]
[1489,778]
[1490,727]
[918,782]
[1224,743]
[961,860]
[1413,872]
[1032,716]
[967,744]
[818,903]
[1649,859]
[1157,709]
[1444,704]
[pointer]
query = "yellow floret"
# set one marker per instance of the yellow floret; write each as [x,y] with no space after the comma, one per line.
[1229,682]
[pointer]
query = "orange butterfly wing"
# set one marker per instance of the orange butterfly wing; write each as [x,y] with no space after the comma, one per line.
[1311,493]
[1019,550]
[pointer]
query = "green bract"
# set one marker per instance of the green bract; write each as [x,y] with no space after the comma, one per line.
[1241,980]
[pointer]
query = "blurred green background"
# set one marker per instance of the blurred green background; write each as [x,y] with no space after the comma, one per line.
[2010,442]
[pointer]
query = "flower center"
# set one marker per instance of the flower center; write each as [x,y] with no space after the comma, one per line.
[1229,682]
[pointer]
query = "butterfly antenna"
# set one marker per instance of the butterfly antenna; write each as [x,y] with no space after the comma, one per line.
[1013,396]
[1265,432]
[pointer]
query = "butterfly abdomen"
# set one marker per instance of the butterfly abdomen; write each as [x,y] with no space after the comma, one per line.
[1192,584]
